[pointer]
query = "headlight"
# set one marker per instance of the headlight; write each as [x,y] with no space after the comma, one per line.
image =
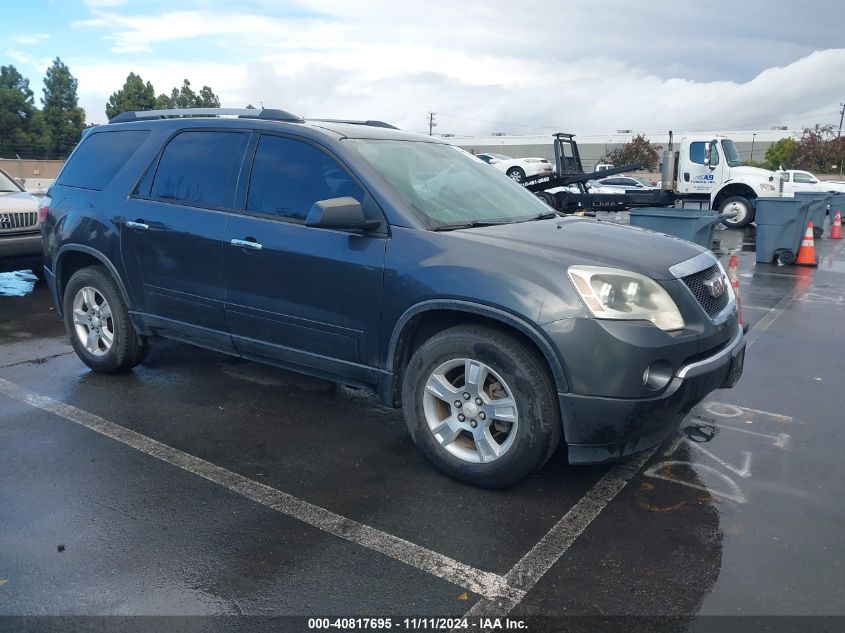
[611,293]
[766,186]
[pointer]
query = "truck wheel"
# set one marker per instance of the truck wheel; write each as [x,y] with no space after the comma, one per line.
[743,209]
[480,406]
[516,173]
[97,321]
[548,198]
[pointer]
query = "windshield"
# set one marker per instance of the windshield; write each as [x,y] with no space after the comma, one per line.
[731,153]
[447,186]
[7,184]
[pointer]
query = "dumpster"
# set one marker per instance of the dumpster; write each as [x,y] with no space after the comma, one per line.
[781,223]
[818,208]
[693,225]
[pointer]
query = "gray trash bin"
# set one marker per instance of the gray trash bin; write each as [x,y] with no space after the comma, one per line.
[837,203]
[781,223]
[693,225]
[818,208]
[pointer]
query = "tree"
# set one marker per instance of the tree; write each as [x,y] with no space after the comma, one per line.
[22,131]
[780,154]
[185,97]
[638,150]
[819,149]
[135,95]
[62,115]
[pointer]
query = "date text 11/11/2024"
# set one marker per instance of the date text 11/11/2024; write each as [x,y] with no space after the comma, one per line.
[417,624]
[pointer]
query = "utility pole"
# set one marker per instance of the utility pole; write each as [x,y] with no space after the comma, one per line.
[753,138]
[838,134]
[433,124]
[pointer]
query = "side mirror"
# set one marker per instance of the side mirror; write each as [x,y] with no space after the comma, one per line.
[340,213]
[494,161]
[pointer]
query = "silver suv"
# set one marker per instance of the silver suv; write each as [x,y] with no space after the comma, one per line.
[20,230]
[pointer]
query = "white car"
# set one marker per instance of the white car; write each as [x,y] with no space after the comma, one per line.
[620,184]
[20,231]
[797,180]
[518,168]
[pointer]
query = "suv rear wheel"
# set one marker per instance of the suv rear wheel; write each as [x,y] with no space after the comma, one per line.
[481,406]
[97,321]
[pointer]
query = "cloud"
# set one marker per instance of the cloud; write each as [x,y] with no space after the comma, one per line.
[30,38]
[484,65]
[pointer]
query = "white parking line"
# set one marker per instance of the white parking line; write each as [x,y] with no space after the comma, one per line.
[532,567]
[487,584]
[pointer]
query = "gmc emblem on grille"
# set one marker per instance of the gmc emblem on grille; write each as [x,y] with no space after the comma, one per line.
[716,286]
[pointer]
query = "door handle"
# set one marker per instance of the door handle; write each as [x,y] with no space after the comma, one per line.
[250,244]
[138,225]
[686,176]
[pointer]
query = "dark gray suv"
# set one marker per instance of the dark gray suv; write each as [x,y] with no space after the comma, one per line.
[373,257]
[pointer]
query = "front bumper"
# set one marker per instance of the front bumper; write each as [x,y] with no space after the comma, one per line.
[606,428]
[20,245]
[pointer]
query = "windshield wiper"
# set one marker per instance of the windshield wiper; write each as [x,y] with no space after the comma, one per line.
[469,225]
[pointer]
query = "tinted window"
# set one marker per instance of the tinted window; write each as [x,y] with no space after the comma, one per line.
[200,168]
[100,157]
[696,153]
[289,176]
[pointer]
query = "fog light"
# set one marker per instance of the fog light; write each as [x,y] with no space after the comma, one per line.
[657,375]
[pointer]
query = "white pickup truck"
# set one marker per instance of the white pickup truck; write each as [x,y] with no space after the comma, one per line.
[797,180]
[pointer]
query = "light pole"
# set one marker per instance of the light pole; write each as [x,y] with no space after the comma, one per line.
[753,138]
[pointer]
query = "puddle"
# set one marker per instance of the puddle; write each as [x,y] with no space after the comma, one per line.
[17,284]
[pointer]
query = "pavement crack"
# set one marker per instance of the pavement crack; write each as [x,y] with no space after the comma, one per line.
[36,361]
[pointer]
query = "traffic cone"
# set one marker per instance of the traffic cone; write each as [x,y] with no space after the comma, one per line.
[733,276]
[807,252]
[836,227]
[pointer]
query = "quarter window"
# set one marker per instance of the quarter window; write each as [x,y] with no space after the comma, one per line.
[100,156]
[200,168]
[289,176]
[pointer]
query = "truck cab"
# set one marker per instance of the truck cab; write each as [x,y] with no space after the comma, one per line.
[711,166]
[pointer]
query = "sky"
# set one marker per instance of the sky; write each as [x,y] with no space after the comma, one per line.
[483,67]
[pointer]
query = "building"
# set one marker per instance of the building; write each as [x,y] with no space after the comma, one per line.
[593,146]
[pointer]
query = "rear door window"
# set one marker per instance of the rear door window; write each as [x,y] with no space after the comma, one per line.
[200,168]
[289,176]
[100,156]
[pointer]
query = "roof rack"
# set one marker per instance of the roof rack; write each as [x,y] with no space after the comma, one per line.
[241,113]
[351,122]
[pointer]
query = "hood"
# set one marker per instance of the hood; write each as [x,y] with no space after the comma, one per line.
[585,241]
[753,173]
[18,201]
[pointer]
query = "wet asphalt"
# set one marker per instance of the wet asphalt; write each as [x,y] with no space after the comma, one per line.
[740,514]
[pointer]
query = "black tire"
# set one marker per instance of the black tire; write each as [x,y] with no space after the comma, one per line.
[539,428]
[127,348]
[516,173]
[746,217]
[548,198]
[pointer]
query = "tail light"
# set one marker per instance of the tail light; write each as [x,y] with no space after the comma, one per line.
[44,209]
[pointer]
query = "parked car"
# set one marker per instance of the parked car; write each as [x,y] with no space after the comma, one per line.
[622,183]
[394,261]
[797,180]
[20,230]
[603,166]
[518,168]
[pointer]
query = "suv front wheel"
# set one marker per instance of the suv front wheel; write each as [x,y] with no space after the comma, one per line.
[97,321]
[480,406]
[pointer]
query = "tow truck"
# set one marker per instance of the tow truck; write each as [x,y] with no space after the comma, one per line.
[703,171]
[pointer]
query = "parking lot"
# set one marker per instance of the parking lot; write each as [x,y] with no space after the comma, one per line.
[202,484]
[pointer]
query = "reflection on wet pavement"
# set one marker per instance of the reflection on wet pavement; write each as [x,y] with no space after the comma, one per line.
[17,284]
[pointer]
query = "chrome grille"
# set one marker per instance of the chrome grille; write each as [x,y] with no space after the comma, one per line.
[12,221]
[695,282]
